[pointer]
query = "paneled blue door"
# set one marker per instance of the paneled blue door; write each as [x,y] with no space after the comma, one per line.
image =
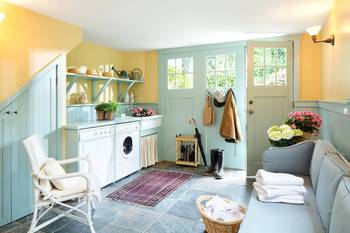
[186,75]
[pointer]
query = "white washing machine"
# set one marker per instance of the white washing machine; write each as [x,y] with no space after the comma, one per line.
[127,150]
[98,144]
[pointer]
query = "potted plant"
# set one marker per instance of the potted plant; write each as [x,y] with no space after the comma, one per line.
[110,110]
[284,135]
[308,122]
[100,111]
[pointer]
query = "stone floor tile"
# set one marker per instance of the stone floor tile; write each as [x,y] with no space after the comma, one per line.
[172,224]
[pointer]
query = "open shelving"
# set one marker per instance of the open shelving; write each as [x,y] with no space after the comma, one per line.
[73,78]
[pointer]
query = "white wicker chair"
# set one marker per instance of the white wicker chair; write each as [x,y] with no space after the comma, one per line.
[45,200]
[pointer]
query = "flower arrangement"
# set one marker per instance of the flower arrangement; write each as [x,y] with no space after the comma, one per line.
[284,135]
[143,112]
[309,122]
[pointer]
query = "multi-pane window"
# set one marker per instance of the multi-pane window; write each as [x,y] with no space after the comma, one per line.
[270,67]
[221,70]
[180,73]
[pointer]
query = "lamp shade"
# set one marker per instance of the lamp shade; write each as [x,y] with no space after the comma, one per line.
[2,16]
[314,30]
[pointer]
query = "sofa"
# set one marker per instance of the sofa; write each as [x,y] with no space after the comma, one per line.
[327,202]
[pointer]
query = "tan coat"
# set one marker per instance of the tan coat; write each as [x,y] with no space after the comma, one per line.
[230,126]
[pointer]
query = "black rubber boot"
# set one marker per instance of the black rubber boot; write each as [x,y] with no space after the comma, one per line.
[213,164]
[220,172]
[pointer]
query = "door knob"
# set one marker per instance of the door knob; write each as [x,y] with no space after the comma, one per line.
[251,111]
[251,102]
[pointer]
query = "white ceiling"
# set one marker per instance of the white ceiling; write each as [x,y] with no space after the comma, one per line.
[156,24]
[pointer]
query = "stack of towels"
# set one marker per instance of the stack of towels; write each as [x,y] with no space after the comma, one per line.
[279,187]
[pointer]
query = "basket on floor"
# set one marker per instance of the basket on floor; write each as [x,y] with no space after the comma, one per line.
[218,226]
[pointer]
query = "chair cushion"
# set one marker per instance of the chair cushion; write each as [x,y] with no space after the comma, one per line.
[341,209]
[332,170]
[283,218]
[53,168]
[46,184]
[321,149]
[78,187]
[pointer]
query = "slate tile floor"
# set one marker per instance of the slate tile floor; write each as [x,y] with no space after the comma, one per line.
[175,214]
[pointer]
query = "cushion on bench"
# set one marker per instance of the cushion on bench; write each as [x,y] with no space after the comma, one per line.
[340,221]
[321,149]
[332,170]
[283,218]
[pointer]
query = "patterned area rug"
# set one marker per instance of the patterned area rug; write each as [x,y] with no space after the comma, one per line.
[150,188]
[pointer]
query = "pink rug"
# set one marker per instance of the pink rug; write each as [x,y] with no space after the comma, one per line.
[150,188]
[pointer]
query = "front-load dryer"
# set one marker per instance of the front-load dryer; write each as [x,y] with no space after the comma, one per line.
[127,151]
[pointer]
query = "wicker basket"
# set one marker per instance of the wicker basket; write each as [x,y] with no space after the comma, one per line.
[217,226]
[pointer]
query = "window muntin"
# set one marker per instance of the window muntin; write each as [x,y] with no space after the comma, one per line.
[221,70]
[270,66]
[180,73]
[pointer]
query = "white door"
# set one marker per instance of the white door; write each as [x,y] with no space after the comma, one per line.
[269,94]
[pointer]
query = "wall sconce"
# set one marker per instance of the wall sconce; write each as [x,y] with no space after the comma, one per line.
[314,30]
[2,17]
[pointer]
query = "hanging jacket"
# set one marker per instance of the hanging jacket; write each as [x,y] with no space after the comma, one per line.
[230,126]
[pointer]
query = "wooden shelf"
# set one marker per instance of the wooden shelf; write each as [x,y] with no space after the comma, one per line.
[73,78]
[101,78]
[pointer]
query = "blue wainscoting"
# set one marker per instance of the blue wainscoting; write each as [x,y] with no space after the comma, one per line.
[336,122]
[85,113]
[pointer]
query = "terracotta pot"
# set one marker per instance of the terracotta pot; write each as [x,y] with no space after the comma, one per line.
[109,116]
[307,136]
[100,115]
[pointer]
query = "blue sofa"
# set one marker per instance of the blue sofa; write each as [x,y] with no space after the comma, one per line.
[327,203]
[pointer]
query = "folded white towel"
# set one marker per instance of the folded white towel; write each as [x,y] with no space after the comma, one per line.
[274,190]
[290,199]
[270,178]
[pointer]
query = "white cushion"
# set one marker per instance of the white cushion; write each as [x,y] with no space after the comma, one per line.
[46,184]
[78,186]
[53,168]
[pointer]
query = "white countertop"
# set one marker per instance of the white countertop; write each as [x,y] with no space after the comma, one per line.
[118,120]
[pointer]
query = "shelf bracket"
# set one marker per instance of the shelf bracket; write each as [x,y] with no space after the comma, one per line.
[120,98]
[103,88]
[70,84]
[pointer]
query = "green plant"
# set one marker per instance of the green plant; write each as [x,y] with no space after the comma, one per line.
[107,107]
[111,107]
[101,107]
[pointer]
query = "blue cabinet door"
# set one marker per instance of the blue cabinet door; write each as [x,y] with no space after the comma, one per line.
[5,167]
[22,193]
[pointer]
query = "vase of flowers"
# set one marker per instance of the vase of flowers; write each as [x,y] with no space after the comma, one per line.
[284,135]
[308,122]
[143,112]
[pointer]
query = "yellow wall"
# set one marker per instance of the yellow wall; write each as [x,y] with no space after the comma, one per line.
[28,42]
[148,63]
[310,69]
[93,55]
[336,60]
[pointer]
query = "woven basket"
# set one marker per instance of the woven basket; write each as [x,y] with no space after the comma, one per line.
[218,226]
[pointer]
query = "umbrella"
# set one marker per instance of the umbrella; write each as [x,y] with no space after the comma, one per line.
[198,136]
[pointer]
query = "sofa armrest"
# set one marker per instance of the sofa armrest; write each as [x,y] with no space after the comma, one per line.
[293,159]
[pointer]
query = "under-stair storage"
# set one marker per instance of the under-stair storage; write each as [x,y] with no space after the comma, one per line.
[33,110]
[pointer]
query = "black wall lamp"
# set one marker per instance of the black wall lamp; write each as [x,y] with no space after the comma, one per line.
[314,30]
